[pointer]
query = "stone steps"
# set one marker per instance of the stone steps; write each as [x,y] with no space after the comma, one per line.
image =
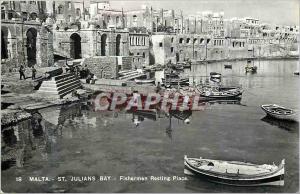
[60,86]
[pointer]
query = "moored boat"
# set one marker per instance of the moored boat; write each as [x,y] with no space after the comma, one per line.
[279,112]
[235,172]
[176,81]
[221,95]
[217,93]
[252,69]
[144,81]
[215,75]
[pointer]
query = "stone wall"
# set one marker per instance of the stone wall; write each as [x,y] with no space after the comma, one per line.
[103,67]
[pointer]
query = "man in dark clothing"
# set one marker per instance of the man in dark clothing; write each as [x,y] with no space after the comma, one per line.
[21,71]
[33,73]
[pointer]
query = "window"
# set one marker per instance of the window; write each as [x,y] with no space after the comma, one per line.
[188,40]
[134,17]
[2,12]
[181,40]
[117,20]
[60,9]
[172,39]
[172,49]
[77,12]
[160,44]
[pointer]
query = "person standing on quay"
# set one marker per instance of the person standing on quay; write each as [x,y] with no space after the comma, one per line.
[33,73]
[21,71]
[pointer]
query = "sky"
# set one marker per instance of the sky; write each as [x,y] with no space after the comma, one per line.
[282,12]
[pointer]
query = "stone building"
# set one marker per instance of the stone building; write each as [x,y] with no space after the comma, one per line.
[163,48]
[212,23]
[195,47]
[139,48]
[141,18]
[96,30]
[26,35]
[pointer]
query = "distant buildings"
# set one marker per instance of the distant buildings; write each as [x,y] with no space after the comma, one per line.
[134,38]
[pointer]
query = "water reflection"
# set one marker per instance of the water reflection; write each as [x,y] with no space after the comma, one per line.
[291,126]
[47,126]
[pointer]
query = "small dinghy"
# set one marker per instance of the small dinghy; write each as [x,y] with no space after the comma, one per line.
[279,112]
[144,81]
[228,94]
[235,172]
[215,75]
[252,69]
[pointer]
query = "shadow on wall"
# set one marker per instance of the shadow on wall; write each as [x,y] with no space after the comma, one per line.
[151,53]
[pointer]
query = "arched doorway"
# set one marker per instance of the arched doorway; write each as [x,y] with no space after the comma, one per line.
[177,57]
[4,51]
[75,46]
[118,43]
[31,46]
[106,72]
[103,44]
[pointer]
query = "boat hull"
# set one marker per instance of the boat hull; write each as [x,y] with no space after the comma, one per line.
[276,179]
[273,181]
[289,117]
[144,81]
[222,97]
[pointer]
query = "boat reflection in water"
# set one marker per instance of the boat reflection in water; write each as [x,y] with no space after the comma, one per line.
[291,126]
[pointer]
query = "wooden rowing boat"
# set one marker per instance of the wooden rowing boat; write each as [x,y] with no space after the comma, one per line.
[279,112]
[235,172]
[144,81]
[225,94]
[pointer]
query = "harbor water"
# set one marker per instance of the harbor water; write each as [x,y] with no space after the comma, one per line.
[76,141]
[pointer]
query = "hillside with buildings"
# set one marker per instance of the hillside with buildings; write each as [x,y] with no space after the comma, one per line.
[37,32]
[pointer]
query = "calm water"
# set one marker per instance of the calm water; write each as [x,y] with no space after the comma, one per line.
[75,141]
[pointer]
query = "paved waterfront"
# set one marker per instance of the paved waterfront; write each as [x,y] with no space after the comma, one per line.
[80,142]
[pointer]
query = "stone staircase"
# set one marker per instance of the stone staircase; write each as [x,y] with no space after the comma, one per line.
[59,86]
[130,74]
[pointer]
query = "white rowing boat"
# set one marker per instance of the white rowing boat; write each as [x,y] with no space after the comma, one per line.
[234,172]
[279,112]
